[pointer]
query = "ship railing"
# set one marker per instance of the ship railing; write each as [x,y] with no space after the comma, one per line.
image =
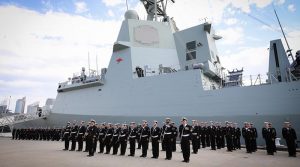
[75,82]
[10,120]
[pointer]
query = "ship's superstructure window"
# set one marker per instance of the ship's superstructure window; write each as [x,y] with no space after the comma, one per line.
[191,50]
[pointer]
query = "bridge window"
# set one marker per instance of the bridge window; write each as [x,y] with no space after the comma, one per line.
[191,50]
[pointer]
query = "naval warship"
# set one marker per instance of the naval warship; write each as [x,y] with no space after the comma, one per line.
[158,71]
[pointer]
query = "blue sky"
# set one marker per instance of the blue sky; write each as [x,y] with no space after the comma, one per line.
[43,42]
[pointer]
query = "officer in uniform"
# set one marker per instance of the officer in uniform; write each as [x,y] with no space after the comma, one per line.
[290,136]
[155,136]
[138,137]
[108,137]
[254,137]
[67,135]
[207,133]
[123,139]
[195,137]
[167,137]
[229,136]
[212,133]
[237,137]
[144,138]
[203,134]
[185,136]
[85,136]
[174,136]
[246,133]
[115,139]
[81,132]
[101,137]
[219,135]
[91,137]
[269,134]
[74,131]
[132,138]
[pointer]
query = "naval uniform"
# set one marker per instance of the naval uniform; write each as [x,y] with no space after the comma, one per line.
[247,134]
[269,134]
[107,140]
[123,140]
[229,138]
[168,141]
[185,142]
[101,138]
[155,136]
[91,139]
[81,132]
[174,136]
[132,138]
[74,131]
[115,141]
[66,136]
[195,137]
[144,139]
[290,136]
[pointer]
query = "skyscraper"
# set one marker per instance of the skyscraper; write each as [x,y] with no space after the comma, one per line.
[20,105]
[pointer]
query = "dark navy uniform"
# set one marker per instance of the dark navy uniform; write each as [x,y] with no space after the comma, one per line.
[107,140]
[155,136]
[101,137]
[132,139]
[185,135]
[168,137]
[195,137]
[91,139]
[144,139]
[80,135]
[115,140]
[123,140]
[74,131]
[290,136]
[66,137]
[174,136]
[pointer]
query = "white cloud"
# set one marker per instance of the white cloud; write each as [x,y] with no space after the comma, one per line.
[232,35]
[292,8]
[110,13]
[230,21]
[113,2]
[39,50]
[81,7]
[279,2]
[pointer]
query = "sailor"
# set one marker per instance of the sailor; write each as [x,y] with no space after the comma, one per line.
[81,132]
[138,137]
[185,136]
[67,132]
[108,137]
[74,131]
[246,133]
[132,138]
[155,136]
[123,139]
[101,137]
[115,139]
[167,139]
[200,133]
[144,138]
[229,136]
[91,137]
[195,136]
[269,134]
[290,137]
[254,137]
[97,135]
[85,137]
[13,133]
[203,134]
[207,133]
[174,136]
[163,146]
[212,133]
[219,135]
[237,137]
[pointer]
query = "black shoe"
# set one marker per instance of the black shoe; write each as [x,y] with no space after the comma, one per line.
[89,155]
[143,156]
[71,150]
[168,158]
[106,153]
[130,155]
[65,149]
[114,154]
[78,150]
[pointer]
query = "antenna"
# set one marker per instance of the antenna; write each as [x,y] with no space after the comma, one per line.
[127,4]
[89,62]
[289,49]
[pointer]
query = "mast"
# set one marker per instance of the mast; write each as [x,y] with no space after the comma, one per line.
[89,62]
[289,49]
